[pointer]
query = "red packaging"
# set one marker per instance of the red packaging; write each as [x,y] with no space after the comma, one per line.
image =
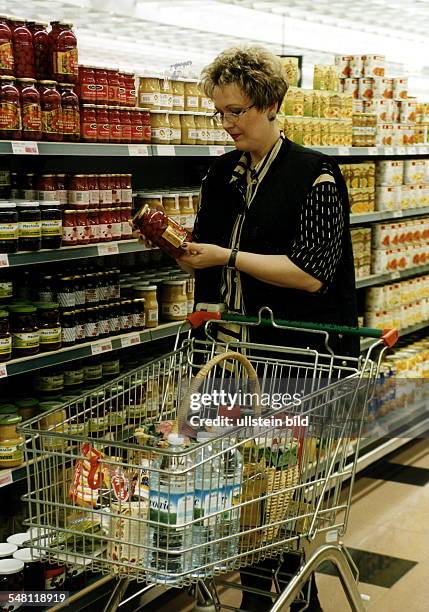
[103,128]
[105,218]
[115,185]
[94,191]
[69,228]
[162,231]
[126,226]
[65,67]
[10,109]
[70,113]
[122,92]
[88,123]
[23,50]
[94,225]
[6,56]
[31,111]
[126,124]
[78,195]
[105,191]
[87,85]
[116,224]
[50,101]
[102,86]
[136,126]
[126,190]
[130,90]
[147,131]
[113,87]
[82,227]
[115,125]
[42,50]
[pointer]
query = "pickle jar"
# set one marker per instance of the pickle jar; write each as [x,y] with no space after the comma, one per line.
[49,326]
[10,109]
[25,331]
[70,113]
[6,56]
[65,55]
[50,101]
[23,50]
[5,337]
[88,123]
[29,226]
[31,111]
[42,49]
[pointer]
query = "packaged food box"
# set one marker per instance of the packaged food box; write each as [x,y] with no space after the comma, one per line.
[387,198]
[389,172]
[414,171]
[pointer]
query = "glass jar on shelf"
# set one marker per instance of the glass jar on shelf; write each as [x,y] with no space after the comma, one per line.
[31,112]
[10,109]
[115,125]
[136,126]
[125,117]
[94,225]
[50,101]
[49,326]
[166,91]
[29,226]
[6,56]
[60,184]
[52,227]
[82,227]
[25,331]
[8,227]
[192,94]
[11,454]
[149,92]
[130,89]
[103,128]
[5,337]
[102,86]
[178,88]
[46,188]
[88,123]
[202,132]
[42,49]
[113,87]
[70,113]
[122,95]
[23,50]
[175,129]
[147,130]
[189,130]
[87,85]
[160,127]
[65,55]
[69,228]
[94,190]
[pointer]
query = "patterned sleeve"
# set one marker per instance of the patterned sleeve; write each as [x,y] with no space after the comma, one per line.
[317,246]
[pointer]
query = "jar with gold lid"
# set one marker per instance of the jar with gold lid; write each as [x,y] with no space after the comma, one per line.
[178,88]
[160,127]
[11,442]
[192,94]
[166,94]
[189,130]
[174,301]
[201,128]
[149,294]
[175,129]
[149,93]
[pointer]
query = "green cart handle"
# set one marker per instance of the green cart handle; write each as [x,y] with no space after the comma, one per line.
[389,337]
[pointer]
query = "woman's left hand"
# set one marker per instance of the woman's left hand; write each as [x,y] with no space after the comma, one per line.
[200,256]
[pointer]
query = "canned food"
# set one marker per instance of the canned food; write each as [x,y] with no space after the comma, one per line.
[351,86]
[400,88]
[342,62]
[366,88]
[373,65]
[387,198]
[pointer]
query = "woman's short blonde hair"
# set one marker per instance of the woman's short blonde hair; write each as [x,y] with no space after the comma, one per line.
[256,71]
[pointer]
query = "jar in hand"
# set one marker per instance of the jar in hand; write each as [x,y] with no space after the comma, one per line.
[161,231]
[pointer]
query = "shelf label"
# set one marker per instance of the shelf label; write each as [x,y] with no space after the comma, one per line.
[214,151]
[130,340]
[395,275]
[108,249]
[401,150]
[3,370]
[138,150]
[101,347]
[372,151]
[388,150]
[397,213]
[412,150]
[343,151]
[25,148]
[166,150]
[4,260]
[5,478]
[423,150]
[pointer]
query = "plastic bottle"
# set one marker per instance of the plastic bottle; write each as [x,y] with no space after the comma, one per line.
[232,464]
[171,500]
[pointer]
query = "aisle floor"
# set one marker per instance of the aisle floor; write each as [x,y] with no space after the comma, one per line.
[388,537]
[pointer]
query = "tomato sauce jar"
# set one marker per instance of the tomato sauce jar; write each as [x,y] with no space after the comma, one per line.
[116,223]
[105,191]
[64,54]
[47,188]
[103,128]
[102,86]
[147,130]
[82,227]
[6,48]
[126,226]
[70,113]
[126,190]
[31,111]
[115,185]
[130,89]
[125,117]
[23,50]
[94,191]
[161,230]
[115,125]
[136,126]
[69,228]
[105,218]
[42,49]
[10,109]
[94,225]
[50,101]
[60,184]
[88,123]
[122,93]
[87,85]
[78,195]
[113,87]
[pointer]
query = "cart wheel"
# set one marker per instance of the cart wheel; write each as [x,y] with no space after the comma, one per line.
[204,599]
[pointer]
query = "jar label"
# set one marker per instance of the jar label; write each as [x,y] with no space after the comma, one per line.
[49,383]
[105,230]
[139,319]
[52,227]
[201,135]
[111,368]
[175,309]
[94,196]
[114,325]
[5,345]
[115,132]
[51,121]
[126,321]
[147,133]
[161,134]
[29,229]
[79,296]
[92,295]
[78,197]
[30,194]
[137,133]
[91,330]
[113,93]
[149,99]
[116,231]
[68,335]
[152,314]
[88,92]
[54,578]
[103,131]
[126,132]
[126,196]
[92,372]
[205,103]
[47,196]
[105,196]
[122,94]
[176,134]
[50,336]
[89,131]
[116,196]
[24,340]
[69,235]
[70,121]
[62,196]
[80,331]
[65,62]
[73,377]
[103,327]
[83,233]
[10,116]
[193,134]
[164,100]
[190,306]
[31,117]
[14,452]
[192,102]
[179,101]
[102,93]
[126,228]
[66,299]
[94,233]
[174,234]
[6,289]
[8,231]
[6,56]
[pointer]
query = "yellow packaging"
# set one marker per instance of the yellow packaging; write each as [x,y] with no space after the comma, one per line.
[308,102]
[306,130]
[321,77]
[288,127]
[324,132]
[297,130]
[324,104]
[315,132]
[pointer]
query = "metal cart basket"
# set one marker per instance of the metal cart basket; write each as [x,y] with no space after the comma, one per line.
[277,433]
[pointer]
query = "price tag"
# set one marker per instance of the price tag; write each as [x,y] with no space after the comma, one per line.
[424,150]
[388,150]
[412,150]
[401,150]
[214,151]
[5,478]
[108,249]
[372,151]
[101,347]
[25,148]
[138,150]
[166,150]
[395,275]
[4,260]
[397,213]
[343,151]
[3,370]
[130,340]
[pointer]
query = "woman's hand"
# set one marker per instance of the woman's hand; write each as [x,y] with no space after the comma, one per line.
[198,256]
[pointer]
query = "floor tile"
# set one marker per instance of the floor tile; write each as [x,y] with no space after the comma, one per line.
[415,453]
[410,594]
[396,472]
[332,597]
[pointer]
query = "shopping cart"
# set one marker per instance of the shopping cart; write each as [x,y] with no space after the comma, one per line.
[277,431]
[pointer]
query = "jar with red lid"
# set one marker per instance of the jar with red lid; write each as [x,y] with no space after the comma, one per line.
[82,227]
[70,113]
[94,192]
[62,195]
[88,123]
[6,47]
[69,228]
[78,194]
[102,85]
[10,109]
[126,226]
[126,124]
[115,125]
[87,85]
[64,54]
[31,112]
[115,185]
[105,191]
[23,50]
[105,219]
[94,225]
[50,101]
[147,131]
[136,126]
[122,92]
[116,223]
[47,188]
[126,190]
[103,128]
[130,89]
[42,49]
[113,87]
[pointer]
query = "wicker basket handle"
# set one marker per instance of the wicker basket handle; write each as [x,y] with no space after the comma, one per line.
[204,371]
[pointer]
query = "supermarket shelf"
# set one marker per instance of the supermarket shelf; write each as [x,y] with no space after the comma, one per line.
[17,474]
[77,252]
[190,150]
[387,215]
[374,151]
[365,344]
[379,279]
[88,349]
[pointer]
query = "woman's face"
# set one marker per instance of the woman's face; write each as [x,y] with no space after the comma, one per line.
[252,129]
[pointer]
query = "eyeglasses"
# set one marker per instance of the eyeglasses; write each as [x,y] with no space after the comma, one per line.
[231,116]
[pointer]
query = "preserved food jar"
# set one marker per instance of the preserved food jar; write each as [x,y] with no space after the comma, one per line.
[64,54]
[49,326]
[91,323]
[28,183]
[105,218]
[175,129]
[87,85]
[115,125]
[103,321]
[202,132]
[148,293]
[23,50]
[11,575]
[80,321]
[122,96]
[139,317]
[42,50]
[166,97]
[116,224]
[5,337]
[88,123]
[54,419]
[136,126]
[130,90]
[31,112]
[68,328]
[78,192]
[29,226]
[82,227]
[174,300]
[102,85]
[34,569]
[126,189]
[10,109]
[126,315]
[192,94]
[52,227]
[189,131]
[116,186]
[94,192]
[69,228]
[6,47]
[8,228]
[125,117]
[149,92]
[66,295]
[126,227]
[211,130]
[113,87]
[47,188]
[114,320]
[147,131]
[11,445]
[204,102]
[25,332]
[105,191]
[50,101]
[27,407]
[160,128]
[70,113]
[161,230]
[103,128]
[178,88]
[60,184]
